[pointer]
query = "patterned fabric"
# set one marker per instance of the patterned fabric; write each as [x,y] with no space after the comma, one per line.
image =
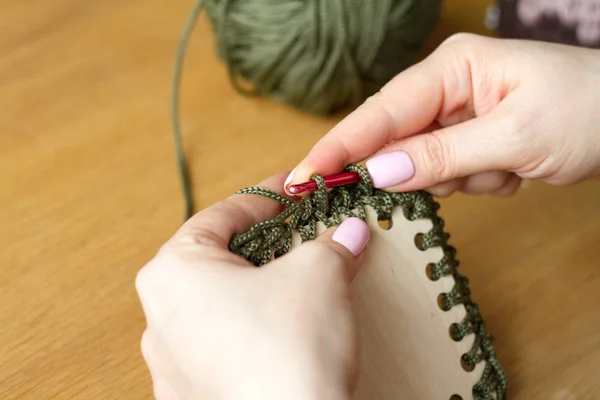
[573,22]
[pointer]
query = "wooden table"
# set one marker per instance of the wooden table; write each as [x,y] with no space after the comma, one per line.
[89,190]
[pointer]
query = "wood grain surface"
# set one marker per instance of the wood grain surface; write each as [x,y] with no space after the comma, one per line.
[89,190]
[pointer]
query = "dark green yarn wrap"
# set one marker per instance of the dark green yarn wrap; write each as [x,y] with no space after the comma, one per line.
[319,55]
[273,238]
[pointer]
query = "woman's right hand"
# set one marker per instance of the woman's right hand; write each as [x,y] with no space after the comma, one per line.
[478,115]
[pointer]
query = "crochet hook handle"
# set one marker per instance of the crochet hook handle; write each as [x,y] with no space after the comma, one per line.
[344,178]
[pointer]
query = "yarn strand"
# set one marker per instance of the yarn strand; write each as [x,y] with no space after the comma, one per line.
[175,110]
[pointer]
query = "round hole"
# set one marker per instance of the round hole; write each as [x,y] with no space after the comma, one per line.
[453,336]
[440,300]
[419,241]
[455,397]
[385,224]
[429,271]
[465,365]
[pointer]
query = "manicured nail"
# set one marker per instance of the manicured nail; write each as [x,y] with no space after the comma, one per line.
[288,180]
[353,233]
[390,169]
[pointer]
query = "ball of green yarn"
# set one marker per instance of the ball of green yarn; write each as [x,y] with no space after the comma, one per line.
[319,55]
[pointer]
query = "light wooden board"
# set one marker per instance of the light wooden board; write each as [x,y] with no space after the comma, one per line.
[89,191]
[407,352]
[406,349]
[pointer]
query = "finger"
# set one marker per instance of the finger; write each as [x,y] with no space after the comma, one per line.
[349,240]
[160,367]
[337,250]
[215,225]
[446,189]
[439,88]
[474,146]
[148,352]
[509,188]
[487,182]
[163,389]
[407,104]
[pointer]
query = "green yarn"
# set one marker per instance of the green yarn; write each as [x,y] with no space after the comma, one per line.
[273,238]
[319,56]
[176,87]
[315,55]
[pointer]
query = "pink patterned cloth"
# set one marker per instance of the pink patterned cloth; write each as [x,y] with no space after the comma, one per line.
[582,15]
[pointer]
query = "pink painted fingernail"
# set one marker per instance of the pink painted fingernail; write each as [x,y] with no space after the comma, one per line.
[288,180]
[353,233]
[390,169]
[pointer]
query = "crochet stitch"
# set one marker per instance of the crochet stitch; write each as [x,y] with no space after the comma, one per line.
[273,238]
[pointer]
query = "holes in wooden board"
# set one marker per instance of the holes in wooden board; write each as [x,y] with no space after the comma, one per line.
[441,303]
[429,271]
[452,328]
[419,241]
[386,224]
[465,365]
[455,397]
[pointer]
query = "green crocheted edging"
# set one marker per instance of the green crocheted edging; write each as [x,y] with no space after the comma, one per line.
[273,238]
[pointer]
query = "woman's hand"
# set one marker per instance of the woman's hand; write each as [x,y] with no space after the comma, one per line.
[219,328]
[478,115]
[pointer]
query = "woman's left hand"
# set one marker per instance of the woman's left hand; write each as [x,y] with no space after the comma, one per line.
[220,328]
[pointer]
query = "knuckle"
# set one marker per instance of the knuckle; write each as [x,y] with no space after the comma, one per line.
[142,280]
[462,39]
[509,187]
[149,278]
[515,141]
[378,99]
[201,228]
[375,98]
[442,190]
[436,157]
[197,235]
[315,251]
[146,346]
[465,46]
[381,101]
[514,124]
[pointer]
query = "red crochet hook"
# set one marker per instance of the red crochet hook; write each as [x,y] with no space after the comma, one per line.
[345,178]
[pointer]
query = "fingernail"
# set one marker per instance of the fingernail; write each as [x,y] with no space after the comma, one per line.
[390,169]
[353,233]
[525,183]
[288,180]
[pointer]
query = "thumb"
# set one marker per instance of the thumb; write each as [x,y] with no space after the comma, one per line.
[338,249]
[478,145]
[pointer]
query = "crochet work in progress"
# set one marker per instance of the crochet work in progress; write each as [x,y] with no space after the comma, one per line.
[273,238]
